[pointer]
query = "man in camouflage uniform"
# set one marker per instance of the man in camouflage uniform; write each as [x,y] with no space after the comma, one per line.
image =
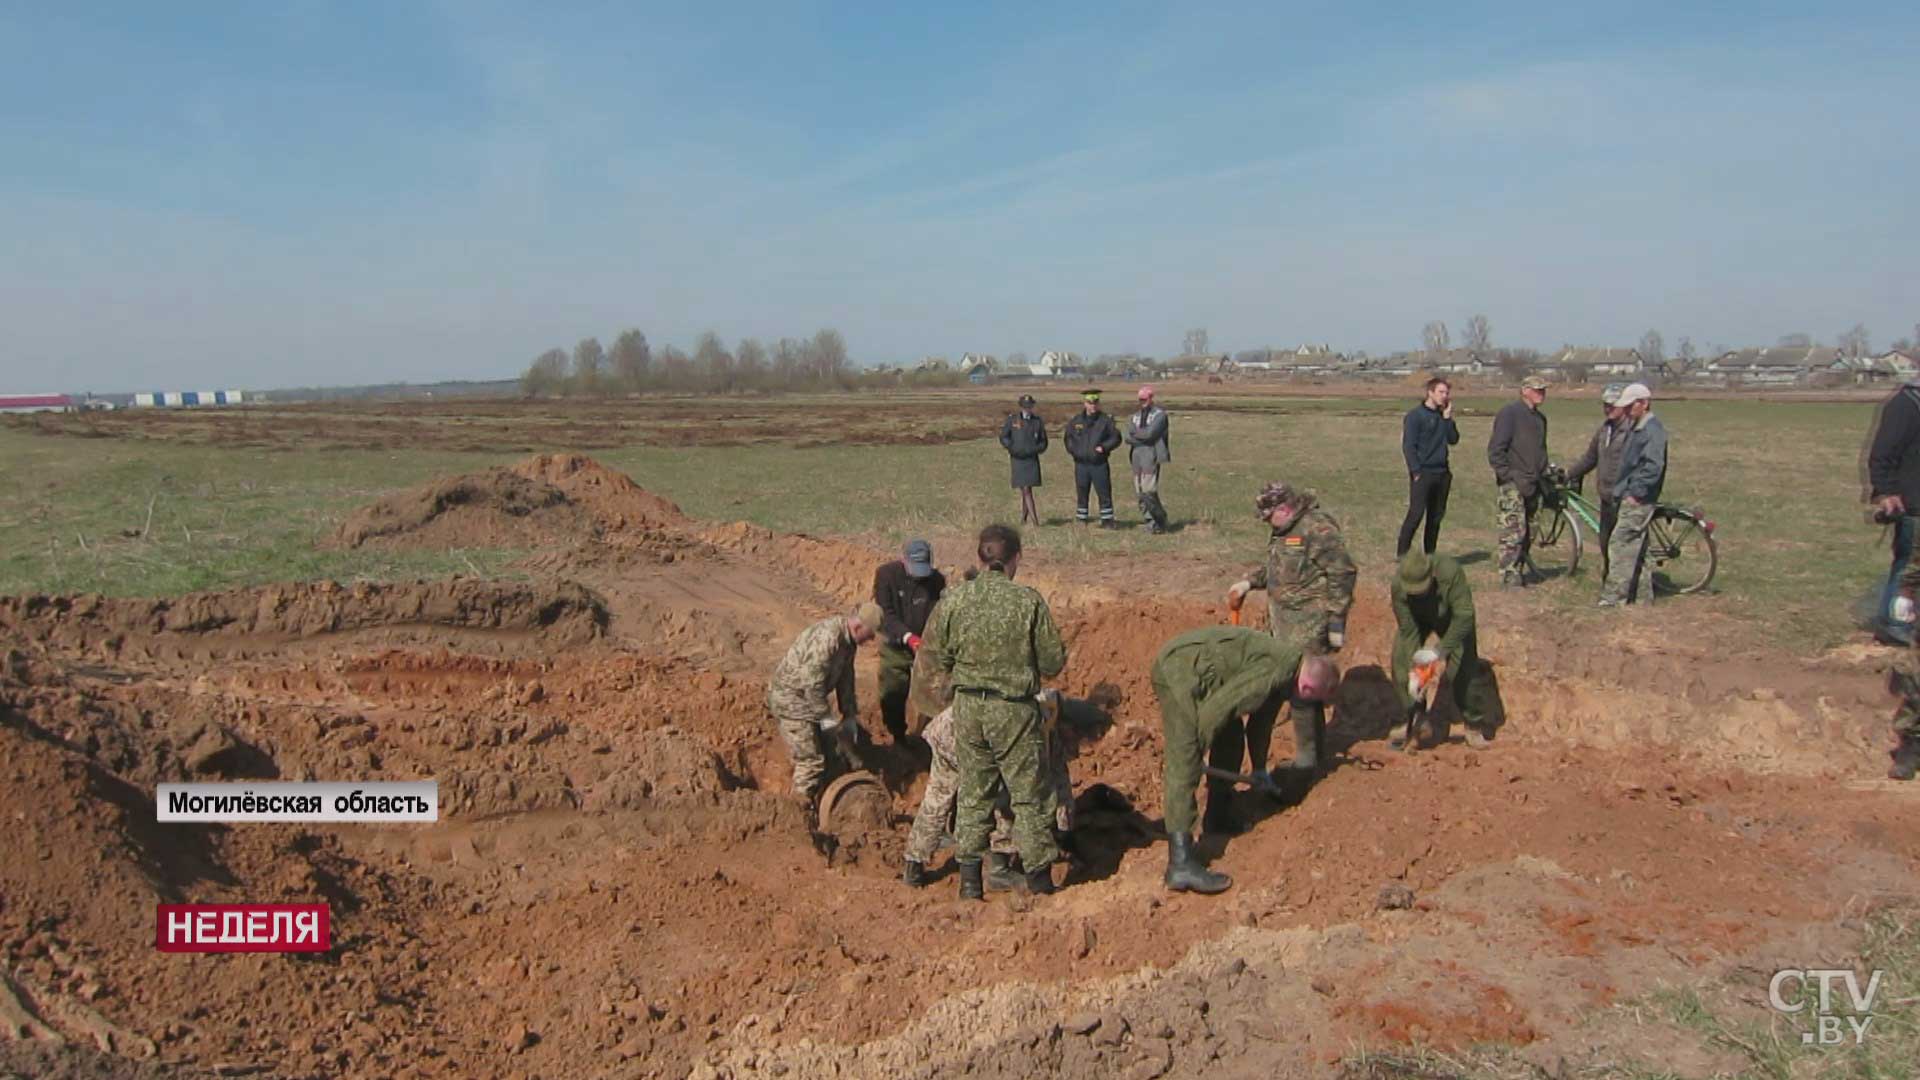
[819,663]
[1206,680]
[1905,680]
[1517,450]
[1430,597]
[997,641]
[1066,727]
[1308,578]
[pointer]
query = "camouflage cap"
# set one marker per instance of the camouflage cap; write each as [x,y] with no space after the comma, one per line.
[1416,572]
[1612,393]
[869,615]
[1534,382]
[1271,498]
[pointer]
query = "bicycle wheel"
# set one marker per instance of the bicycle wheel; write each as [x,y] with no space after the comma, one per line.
[1681,553]
[1555,552]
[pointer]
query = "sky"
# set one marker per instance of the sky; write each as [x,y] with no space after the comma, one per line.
[263,195]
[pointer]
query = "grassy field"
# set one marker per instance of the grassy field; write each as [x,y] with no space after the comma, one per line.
[151,516]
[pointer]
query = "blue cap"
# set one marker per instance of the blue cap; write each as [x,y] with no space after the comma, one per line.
[919,558]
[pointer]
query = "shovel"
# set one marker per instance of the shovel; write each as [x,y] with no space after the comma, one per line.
[1267,786]
[1426,686]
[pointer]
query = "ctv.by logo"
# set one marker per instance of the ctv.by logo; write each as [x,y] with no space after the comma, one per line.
[1830,1028]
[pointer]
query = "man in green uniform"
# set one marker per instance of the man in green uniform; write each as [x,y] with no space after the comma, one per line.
[1308,578]
[1206,680]
[1431,597]
[997,641]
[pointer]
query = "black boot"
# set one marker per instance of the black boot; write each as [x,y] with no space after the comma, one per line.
[1309,732]
[1001,876]
[915,875]
[1040,882]
[1184,872]
[1906,758]
[1221,818]
[970,887]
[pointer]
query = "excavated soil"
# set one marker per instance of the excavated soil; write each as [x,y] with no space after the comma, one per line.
[619,885]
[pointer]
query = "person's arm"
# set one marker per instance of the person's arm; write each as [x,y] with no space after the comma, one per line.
[1040,447]
[1110,437]
[893,624]
[1651,466]
[1500,446]
[1155,430]
[1453,429]
[1260,732]
[1049,652]
[1006,435]
[1258,679]
[1891,438]
[1329,553]
[933,643]
[1589,460]
[1410,439]
[1453,644]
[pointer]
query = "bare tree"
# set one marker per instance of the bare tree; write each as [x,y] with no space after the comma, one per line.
[546,375]
[589,362]
[1018,356]
[789,359]
[1478,336]
[750,360]
[676,367]
[631,359]
[1435,337]
[1855,342]
[1795,341]
[1195,343]
[1653,349]
[1687,354]
[829,352]
[711,358]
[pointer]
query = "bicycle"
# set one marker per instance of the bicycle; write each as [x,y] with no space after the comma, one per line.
[1682,554]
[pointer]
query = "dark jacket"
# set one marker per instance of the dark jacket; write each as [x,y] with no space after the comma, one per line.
[1893,461]
[1518,449]
[1424,438]
[1643,461]
[1084,433]
[905,601]
[1602,458]
[1024,437]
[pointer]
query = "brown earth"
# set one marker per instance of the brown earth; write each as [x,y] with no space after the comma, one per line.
[618,886]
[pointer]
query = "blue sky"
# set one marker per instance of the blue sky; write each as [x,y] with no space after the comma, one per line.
[288,194]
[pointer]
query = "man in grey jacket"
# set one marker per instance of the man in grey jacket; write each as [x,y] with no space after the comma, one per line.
[1517,451]
[1602,459]
[1643,472]
[1147,435]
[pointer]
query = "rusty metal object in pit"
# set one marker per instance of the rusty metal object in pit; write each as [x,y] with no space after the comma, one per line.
[854,803]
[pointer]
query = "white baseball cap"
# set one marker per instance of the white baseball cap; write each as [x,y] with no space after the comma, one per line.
[1634,392]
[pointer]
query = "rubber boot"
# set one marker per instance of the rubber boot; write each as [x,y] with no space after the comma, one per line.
[970,886]
[1221,819]
[1906,758]
[1157,512]
[1001,876]
[915,875]
[1309,732]
[1184,872]
[1039,882]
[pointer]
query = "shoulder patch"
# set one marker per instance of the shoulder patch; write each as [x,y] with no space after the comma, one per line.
[1295,541]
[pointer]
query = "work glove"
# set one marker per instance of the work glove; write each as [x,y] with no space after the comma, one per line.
[1237,592]
[1902,609]
[913,642]
[1336,633]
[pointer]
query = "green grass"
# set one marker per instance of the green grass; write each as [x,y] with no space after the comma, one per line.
[1780,478]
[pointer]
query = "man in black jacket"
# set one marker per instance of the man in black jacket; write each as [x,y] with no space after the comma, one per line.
[1025,437]
[1518,453]
[906,590]
[1893,475]
[1091,437]
[1424,437]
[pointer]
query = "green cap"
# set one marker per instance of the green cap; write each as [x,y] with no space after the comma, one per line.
[1416,572]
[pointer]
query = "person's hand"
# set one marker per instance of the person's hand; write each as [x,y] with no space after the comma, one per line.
[913,642]
[1903,609]
[1447,412]
[1631,501]
[1892,505]
[1237,592]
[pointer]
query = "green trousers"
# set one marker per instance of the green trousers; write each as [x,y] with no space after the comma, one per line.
[1003,741]
[896,683]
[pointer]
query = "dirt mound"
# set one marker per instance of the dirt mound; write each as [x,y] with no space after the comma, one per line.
[550,503]
[241,621]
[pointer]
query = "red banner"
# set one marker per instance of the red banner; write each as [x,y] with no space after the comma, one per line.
[243,928]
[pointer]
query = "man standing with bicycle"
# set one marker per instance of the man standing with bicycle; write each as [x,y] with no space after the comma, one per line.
[1603,460]
[1517,451]
[1643,472]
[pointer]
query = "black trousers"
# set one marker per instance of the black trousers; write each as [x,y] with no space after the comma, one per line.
[1609,517]
[1426,497]
[1097,477]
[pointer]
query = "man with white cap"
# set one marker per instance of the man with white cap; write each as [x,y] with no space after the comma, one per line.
[1517,450]
[1643,472]
[1147,434]
[1603,460]
[820,663]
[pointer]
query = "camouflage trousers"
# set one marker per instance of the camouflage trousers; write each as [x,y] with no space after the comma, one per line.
[804,737]
[1628,581]
[1003,743]
[1515,520]
[932,820]
[1904,681]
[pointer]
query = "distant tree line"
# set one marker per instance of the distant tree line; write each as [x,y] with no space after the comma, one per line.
[632,366]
